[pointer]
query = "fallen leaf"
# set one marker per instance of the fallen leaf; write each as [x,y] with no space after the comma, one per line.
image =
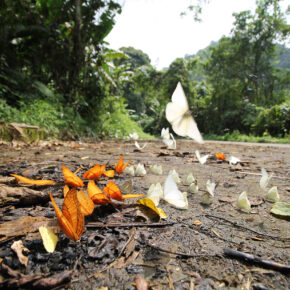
[141,283]
[150,204]
[197,223]
[33,181]
[49,239]
[18,248]
[257,239]
[281,209]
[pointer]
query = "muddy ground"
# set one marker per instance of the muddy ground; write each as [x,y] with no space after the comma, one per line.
[184,251]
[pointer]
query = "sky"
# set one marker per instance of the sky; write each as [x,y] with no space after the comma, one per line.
[157,28]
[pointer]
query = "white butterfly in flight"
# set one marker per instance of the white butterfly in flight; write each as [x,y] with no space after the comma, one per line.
[179,116]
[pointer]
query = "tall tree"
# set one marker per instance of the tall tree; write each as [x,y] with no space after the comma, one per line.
[53,41]
[241,69]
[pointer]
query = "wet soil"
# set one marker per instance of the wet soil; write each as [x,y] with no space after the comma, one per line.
[184,251]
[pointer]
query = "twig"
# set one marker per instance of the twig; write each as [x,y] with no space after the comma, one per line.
[246,228]
[256,260]
[259,174]
[206,232]
[131,236]
[180,254]
[116,225]
[171,286]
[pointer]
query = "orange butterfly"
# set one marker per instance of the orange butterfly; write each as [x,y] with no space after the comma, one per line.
[97,171]
[114,192]
[70,219]
[70,178]
[33,181]
[86,204]
[120,166]
[96,194]
[220,156]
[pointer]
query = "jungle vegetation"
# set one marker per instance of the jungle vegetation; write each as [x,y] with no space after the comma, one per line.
[58,72]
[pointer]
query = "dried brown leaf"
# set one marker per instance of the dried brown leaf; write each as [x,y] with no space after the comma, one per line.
[123,262]
[21,195]
[141,283]
[24,225]
[18,248]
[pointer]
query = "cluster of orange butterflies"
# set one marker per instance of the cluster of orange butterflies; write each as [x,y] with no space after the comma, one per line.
[77,203]
[220,156]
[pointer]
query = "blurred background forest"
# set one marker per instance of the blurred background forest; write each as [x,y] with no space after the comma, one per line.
[58,72]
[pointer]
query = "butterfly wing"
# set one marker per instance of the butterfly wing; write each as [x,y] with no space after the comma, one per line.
[178,107]
[264,179]
[86,204]
[179,98]
[173,195]
[62,220]
[177,114]
[96,194]
[71,209]
[186,126]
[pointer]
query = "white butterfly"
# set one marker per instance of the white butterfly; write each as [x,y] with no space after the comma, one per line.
[156,169]
[190,179]
[265,178]
[170,143]
[174,175]
[207,197]
[193,188]
[140,170]
[179,116]
[273,195]
[243,202]
[234,160]
[173,195]
[134,135]
[165,133]
[139,147]
[202,159]
[155,192]
[210,187]
[130,170]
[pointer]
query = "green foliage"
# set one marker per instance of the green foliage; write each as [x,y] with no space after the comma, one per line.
[135,57]
[274,120]
[238,137]
[57,73]
[115,121]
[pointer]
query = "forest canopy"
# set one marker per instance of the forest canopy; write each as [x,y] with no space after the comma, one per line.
[57,72]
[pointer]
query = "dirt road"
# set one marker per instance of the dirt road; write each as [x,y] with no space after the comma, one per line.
[188,247]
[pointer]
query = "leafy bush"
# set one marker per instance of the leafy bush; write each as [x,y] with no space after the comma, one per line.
[8,113]
[274,120]
[114,120]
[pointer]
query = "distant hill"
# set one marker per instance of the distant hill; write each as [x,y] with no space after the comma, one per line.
[282,60]
[283,57]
